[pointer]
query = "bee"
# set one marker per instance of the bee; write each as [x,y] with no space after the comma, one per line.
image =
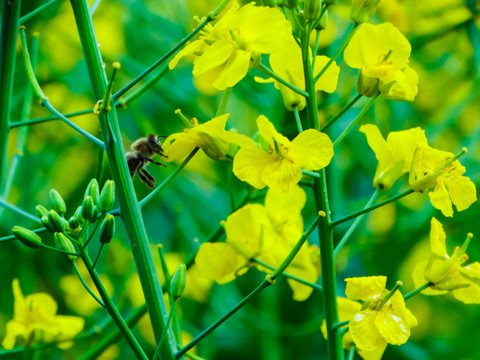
[143,150]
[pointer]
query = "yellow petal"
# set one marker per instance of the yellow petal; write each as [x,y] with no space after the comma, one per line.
[364,331]
[471,294]
[328,81]
[403,86]
[437,238]
[196,46]
[440,199]
[311,150]
[392,328]
[399,309]
[378,144]
[372,355]
[204,82]
[403,144]
[235,69]
[365,288]
[68,327]
[249,163]
[462,191]
[288,203]
[281,175]
[217,261]
[213,56]
[177,146]
[269,133]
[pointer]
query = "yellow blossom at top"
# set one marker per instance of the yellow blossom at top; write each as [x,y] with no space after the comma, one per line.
[380,320]
[267,232]
[210,136]
[382,54]
[434,168]
[288,65]
[281,165]
[446,272]
[394,155]
[225,51]
[35,322]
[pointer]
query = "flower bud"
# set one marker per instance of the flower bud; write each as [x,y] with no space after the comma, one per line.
[366,85]
[107,196]
[215,148]
[107,229]
[58,223]
[312,9]
[63,243]
[78,214]
[88,209]
[27,237]
[93,190]
[179,281]
[73,223]
[322,23]
[56,202]
[47,223]
[292,4]
[363,10]
[41,211]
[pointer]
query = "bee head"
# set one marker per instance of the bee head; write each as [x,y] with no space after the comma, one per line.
[154,143]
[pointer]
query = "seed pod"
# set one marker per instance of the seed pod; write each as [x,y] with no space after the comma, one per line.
[107,229]
[93,190]
[27,237]
[88,209]
[107,196]
[41,211]
[58,223]
[56,202]
[179,281]
[63,243]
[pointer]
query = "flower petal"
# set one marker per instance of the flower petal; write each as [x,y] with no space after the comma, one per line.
[311,150]
[437,238]
[329,79]
[440,199]
[217,261]
[213,56]
[462,191]
[235,69]
[269,133]
[281,175]
[364,331]
[177,146]
[249,163]
[392,328]
[367,288]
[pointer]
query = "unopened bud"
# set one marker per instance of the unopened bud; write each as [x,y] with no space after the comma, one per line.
[64,243]
[312,9]
[58,223]
[322,23]
[93,190]
[47,224]
[214,147]
[179,281]
[363,10]
[56,202]
[73,223]
[107,229]
[88,209]
[27,237]
[366,85]
[107,196]
[41,211]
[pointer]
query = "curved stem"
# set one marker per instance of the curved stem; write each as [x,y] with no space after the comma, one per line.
[298,121]
[86,286]
[274,76]
[341,112]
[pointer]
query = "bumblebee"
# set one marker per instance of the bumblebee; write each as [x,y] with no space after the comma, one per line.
[143,150]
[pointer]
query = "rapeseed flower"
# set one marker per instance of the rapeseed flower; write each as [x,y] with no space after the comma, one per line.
[280,167]
[447,272]
[35,322]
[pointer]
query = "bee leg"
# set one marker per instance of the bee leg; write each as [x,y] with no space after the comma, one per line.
[150,179]
[156,162]
[145,179]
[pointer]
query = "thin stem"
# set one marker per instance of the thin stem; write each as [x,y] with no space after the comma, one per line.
[357,119]
[59,250]
[337,53]
[351,352]
[224,318]
[168,180]
[98,256]
[311,173]
[224,102]
[417,291]
[19,211]
[35,12]
[297,279]
[352,228]
[160,343]
[47,118]
[340,324]
[274,76]
[340,113]
[376,206]
[298,121]
[129,207]
[86,286]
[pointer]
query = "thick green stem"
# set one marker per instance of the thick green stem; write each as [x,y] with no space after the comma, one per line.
[8,38]
[130,209]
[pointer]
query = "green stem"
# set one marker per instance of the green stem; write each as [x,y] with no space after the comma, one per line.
[47,118]
[130,209]
[8,38]
[59,250]
[160,343]
[111,308]
[357,119]
[19,211]
[298,121]
[376,206]
[352,228]
[224,318]
[224,102]
[340,324]
[340,113]
[80,277]
[112,336]
[35,12]
[98,255]
[339,50]
[351,352]
[274,76]
[12,237]
[417,291]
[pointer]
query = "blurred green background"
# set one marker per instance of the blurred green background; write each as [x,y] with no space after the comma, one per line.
[445,39]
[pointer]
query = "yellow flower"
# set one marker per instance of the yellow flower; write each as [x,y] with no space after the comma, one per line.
[35,322]
[266,232]
[394,155]
[210,136]
[225,51]
[347,309]
[281,167]
[446,271]
[381,319]
[288,65]
[434,168]
[382,54]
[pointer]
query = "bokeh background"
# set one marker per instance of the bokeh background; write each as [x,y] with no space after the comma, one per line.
[445,38]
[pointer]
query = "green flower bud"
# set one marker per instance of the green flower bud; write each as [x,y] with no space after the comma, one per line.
[78,214]
[322,24]
[93,190]
[58,223]
[312,9]
[47,223]
[107,229]
[73,223]
[27,237]
[107,196]
[179,281]
[56,202]
[363,10]
[41,211]
[64,243]
[88,209]
[292,4]
[367,86]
